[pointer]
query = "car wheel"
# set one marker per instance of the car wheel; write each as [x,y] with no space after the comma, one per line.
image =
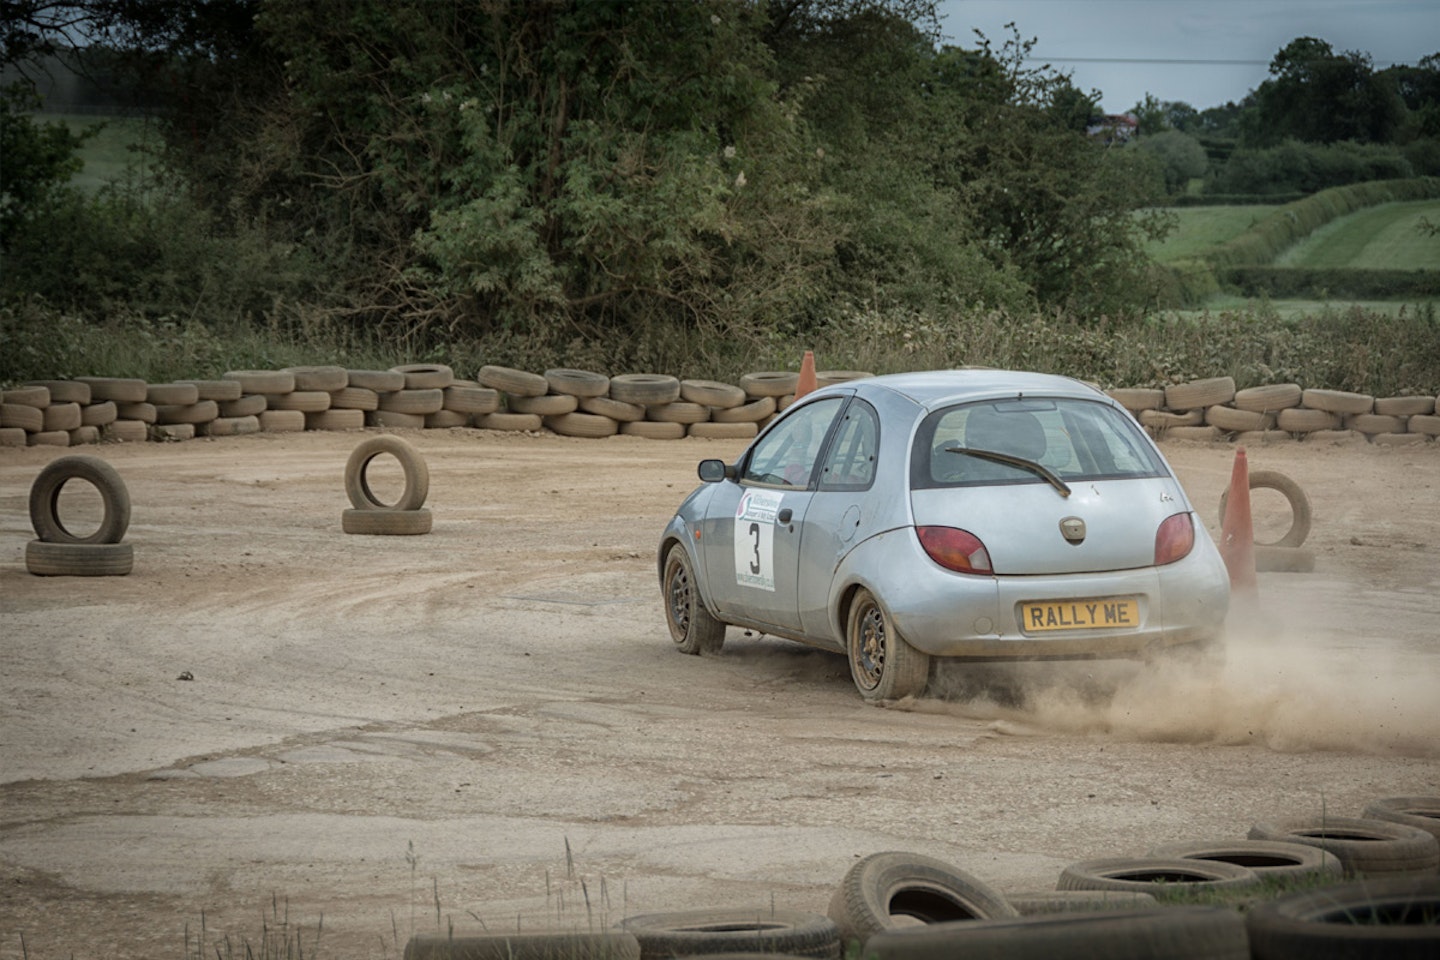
[691,626]
[882,664]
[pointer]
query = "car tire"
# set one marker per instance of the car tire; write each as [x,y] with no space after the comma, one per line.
[692,627]
[1163,877]
[883,665]
[695,933]
[45,496]
[79,559]
[886,885]
[1268,858]
[387,523]
[417,474]
[1422,812]
[1172,933]
[1301,517]
[1367,848]
[1394,919]
[516,383]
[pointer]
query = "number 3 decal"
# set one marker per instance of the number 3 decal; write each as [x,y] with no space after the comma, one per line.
[755,539]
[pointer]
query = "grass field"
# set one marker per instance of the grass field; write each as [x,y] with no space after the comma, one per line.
[1387,237]
[115,152]
[1204,228]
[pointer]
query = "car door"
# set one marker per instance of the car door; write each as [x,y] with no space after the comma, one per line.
[752,532]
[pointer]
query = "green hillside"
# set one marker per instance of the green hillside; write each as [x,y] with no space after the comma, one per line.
[1199,229]
[1386,237]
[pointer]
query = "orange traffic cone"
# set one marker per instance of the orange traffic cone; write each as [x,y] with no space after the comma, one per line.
[1237,533]
[807,375]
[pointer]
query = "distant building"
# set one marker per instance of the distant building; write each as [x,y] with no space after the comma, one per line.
[1113,128]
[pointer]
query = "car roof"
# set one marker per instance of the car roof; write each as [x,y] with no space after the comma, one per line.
[936,388]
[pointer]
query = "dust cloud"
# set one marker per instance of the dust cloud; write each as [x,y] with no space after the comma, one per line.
[1289,691]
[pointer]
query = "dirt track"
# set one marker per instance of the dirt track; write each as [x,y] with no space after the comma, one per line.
[488,722]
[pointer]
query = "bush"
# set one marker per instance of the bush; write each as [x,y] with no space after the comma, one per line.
[1298,283]
[1295,167]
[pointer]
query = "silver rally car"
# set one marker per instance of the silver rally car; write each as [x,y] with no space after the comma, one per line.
[974,514]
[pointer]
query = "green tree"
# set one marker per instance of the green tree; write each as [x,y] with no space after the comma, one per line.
[39,159]
[1181,158]
[1317,95]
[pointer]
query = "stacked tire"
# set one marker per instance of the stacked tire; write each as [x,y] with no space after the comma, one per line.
[1212,409]
[58,551]
[370,515]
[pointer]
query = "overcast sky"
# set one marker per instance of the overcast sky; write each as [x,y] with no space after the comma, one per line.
[1070,34]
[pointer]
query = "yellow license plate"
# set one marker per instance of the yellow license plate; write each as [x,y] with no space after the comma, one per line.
[1103,613]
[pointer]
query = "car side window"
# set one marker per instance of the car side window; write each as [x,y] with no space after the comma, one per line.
[850,463]
[789,451]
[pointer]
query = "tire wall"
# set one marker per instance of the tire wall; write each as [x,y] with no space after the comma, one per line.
[264,401]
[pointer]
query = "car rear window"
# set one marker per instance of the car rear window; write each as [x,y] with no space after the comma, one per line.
[1074,439]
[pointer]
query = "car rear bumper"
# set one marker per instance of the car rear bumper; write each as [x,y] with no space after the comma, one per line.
[954,615]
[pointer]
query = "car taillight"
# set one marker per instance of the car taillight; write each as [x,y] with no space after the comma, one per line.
[953,549]
[1174,539]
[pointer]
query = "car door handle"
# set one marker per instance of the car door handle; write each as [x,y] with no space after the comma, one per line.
[784,515]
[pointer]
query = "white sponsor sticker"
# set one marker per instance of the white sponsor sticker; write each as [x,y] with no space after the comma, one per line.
[755,539]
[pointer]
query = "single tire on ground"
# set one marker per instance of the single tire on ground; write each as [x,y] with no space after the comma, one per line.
[645,389]
[1390,919]
[45,500]
[387,522]
[417,474]
[79,559]
[1366,848]
[692,628]
[882,887]
[599,945]
[1422,812]
[1170,933]
[1163,877]
[1300,513]
[695,933]
[1268,858]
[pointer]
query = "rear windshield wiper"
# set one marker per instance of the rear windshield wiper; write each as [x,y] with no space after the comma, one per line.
[1039,469]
